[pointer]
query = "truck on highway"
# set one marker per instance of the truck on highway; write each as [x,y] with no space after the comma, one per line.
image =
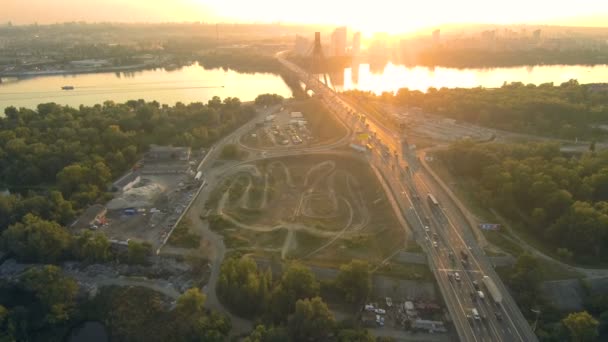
[492,289]
[432,201]
[358,148]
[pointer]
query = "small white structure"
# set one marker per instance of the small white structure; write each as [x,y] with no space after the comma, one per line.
[296,115]
[127,182]
[409,309]
[198,176]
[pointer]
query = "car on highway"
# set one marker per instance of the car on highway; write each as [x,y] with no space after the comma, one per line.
[427,229]
[435,244]
[457,276]
[476,285]
[498,315]
[475,314]
[481,295]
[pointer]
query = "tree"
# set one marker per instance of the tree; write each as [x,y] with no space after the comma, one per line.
[138,252]
[242,287]
[193,323]
[354,281]
[582,326]
[268,99]
[71,177]
[297,282]
[524,280]
[311,321]
[91,247]
[262,333]
[358,335]
[35,239]
[191,303]
[53,289]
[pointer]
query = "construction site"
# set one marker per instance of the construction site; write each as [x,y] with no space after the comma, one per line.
[149,200]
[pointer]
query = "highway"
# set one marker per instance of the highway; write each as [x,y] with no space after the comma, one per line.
[439,227]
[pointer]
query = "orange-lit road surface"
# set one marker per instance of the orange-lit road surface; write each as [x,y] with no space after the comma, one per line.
[443,223]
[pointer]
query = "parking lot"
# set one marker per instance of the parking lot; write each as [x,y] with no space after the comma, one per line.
[282,129]
[417,315]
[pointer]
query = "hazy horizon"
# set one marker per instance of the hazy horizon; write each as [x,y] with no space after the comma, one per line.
[383,16]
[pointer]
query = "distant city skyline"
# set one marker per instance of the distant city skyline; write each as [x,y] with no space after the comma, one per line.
[377,16]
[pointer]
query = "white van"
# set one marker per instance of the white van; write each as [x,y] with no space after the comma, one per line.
[481,295]
[475,314]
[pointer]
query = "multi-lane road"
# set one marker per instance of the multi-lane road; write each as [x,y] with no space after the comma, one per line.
[454,257]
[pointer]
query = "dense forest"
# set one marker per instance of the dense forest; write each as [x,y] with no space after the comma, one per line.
[569,110]
[291,308]
[57,160]
[484,58]
[45,304]
[560,200]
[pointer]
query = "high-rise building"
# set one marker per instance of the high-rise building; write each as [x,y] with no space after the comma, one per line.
[338,42]
[356,44]
[437,37]
[536,35]
[303,46]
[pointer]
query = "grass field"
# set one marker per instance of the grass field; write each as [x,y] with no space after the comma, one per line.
[316,208]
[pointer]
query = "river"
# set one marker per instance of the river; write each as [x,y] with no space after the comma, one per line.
[193,83]
[188,84]
[392,77]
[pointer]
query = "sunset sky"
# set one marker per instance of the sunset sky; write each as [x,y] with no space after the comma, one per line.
[393,16]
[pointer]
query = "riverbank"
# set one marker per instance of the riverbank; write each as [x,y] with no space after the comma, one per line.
[28,74]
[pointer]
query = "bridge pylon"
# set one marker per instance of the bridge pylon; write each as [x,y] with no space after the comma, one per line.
[317,59]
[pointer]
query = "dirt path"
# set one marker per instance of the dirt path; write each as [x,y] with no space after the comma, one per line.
[285,169]
[244,200]
[264,203]
[289,244]
[330,163]
[338,235]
